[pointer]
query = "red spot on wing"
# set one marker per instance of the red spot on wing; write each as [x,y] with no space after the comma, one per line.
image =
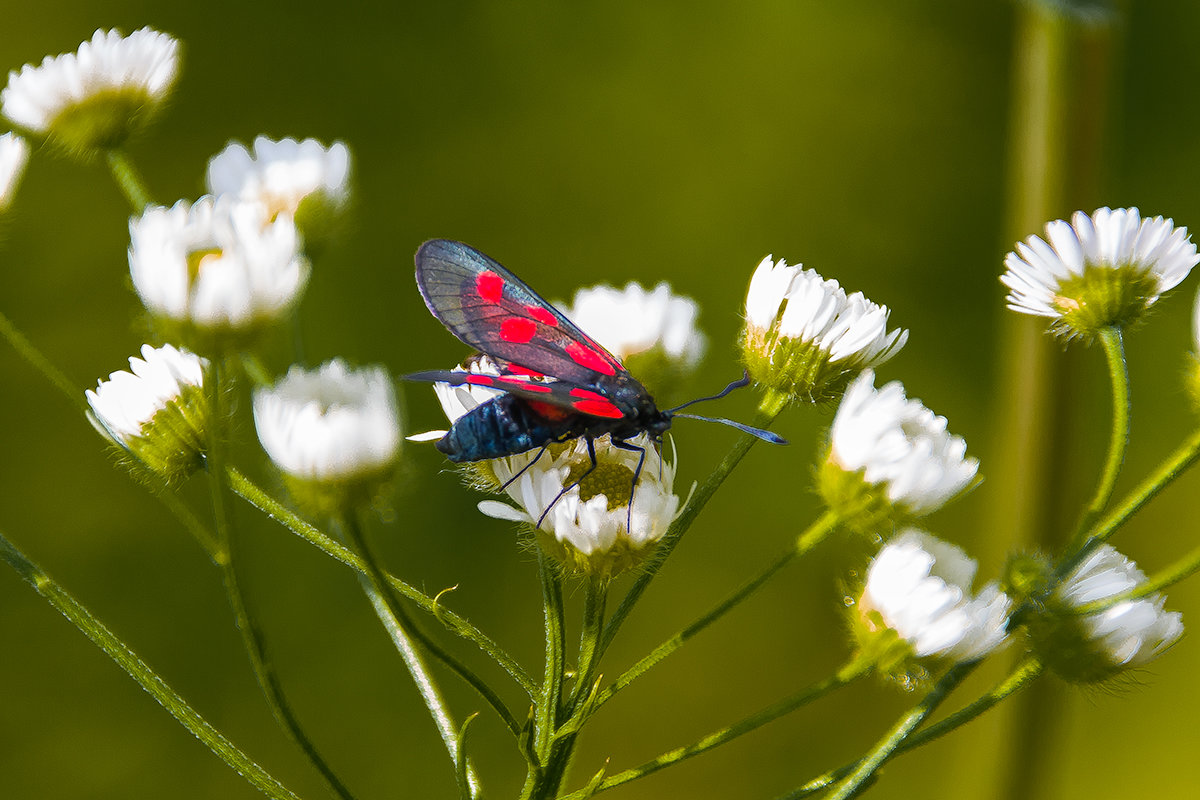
[586,357]
[542,315]
[481,380]
[517,369]
[587,394]
[598,408]
[549,410]
[527,386]
[490,286]
[517,330]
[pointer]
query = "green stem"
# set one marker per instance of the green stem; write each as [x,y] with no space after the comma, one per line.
[456,624]
[1026,672]
[129,180]
[550,698]
[1118,371]
[390,614]
[137,669]
[252,636]
[896,737]
[39,362]
[847,674]
[1171,468]
[771,406]
[595,600]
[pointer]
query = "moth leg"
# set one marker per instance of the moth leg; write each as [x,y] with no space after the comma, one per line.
[591,448]
[621,444]
[523,469]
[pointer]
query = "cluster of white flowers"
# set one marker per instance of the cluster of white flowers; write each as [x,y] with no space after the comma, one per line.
[232,263]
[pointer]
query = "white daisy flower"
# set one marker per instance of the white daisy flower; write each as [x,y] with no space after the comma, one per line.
[1099,271]
[805,336]
[96,96]
[879,438]
[593,527]
[335,431]
[282,174]
[14,154]
[216,265]
[157,411]
[920,587]
[632,321]
[1128,634]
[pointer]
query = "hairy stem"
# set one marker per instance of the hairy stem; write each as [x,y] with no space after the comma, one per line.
[129,180]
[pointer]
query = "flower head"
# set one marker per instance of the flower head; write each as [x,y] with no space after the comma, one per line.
[919,588]
[882,441]
[806,337]
[97,96]
[216,267]
[14,154]
[595,527]
[653,332]
[1094,647]
[304,179]
[333,432]
[157,411]
[1099,271]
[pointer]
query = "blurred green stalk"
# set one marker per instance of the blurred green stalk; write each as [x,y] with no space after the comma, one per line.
[1060,105]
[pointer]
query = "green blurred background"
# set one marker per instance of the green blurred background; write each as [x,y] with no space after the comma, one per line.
[577,143]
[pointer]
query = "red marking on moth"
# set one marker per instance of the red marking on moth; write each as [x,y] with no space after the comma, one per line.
[517,369]
[517,330]
[481,380]
[598,408]
[527,386]
[586,357]
[542,315]
[490,286]
[588,394]
[549,410]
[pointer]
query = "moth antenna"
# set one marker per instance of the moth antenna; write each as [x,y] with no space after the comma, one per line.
[765,435]
[738,384]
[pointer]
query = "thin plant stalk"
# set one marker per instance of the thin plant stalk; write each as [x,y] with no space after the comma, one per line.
[129,180]
[1027,671]
[1114,352]
[386,609]
[895,738]
[141,672]
[809,539]
[252,635]
[850,672]
[771,406]
[255,496]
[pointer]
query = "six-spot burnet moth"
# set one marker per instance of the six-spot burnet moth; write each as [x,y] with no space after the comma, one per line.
[558,383]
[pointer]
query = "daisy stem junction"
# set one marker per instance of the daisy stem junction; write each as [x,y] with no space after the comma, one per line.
[128,179]
[141,672]
[397,624]
[252,636]
[1028,670]
[864,771]
[769,408]
[850,672]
